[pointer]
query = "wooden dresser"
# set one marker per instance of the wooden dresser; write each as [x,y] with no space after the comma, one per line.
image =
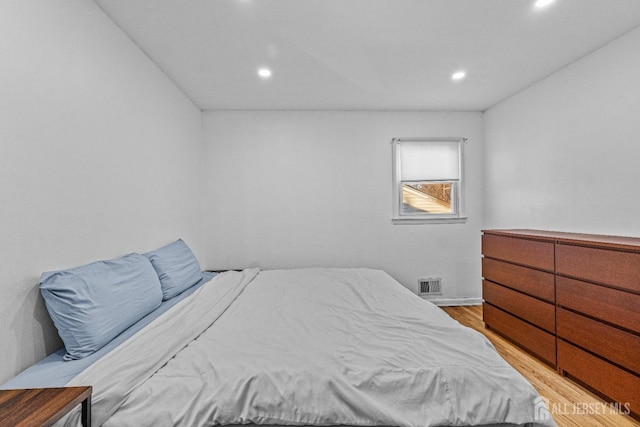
[519,292]
[571,299]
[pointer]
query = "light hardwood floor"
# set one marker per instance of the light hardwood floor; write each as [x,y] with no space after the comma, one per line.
[569,403]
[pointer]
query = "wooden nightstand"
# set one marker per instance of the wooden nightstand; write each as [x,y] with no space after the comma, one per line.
[43,406]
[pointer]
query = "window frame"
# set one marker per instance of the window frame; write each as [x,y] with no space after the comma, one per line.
[458,216]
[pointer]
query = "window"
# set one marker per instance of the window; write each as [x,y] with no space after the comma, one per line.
[427,180]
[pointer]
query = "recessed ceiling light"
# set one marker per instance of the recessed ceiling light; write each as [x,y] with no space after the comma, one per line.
[264,73]
[458,75]
[543,3]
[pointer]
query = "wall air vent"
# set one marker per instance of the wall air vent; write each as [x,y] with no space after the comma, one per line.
[430,286]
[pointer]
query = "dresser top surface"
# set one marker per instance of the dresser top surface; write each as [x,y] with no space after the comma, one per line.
[594,240]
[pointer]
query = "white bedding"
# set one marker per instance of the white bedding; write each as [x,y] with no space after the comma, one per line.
[306,347]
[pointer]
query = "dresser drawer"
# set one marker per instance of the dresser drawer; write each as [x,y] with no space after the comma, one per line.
[616,345]
[609,267]
[535,340]
[610,305]
[533,282]
[533,310]
[532,253]
[617,384]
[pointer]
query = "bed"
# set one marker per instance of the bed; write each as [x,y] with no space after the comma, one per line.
[312,346]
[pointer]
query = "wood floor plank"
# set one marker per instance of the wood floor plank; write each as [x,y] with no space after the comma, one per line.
[571,405]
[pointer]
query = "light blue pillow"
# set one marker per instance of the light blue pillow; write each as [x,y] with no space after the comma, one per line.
[90,305]
[177,268]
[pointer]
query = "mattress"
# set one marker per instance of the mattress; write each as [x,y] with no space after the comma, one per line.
[307,347]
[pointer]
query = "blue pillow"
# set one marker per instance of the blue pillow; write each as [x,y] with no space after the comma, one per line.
[90,305]
[177,268]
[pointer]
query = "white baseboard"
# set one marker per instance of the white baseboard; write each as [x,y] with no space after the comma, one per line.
[454,301]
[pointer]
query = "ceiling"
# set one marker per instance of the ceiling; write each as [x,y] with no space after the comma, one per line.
[365,54]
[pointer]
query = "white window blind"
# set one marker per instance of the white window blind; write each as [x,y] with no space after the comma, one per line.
[431,161]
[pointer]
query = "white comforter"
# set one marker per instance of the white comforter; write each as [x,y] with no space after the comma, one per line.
[309,346]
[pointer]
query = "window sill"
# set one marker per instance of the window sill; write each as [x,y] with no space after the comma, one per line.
[415,221]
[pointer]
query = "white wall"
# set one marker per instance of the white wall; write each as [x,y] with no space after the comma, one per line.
[293,189]
[564,153]
[99,156]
